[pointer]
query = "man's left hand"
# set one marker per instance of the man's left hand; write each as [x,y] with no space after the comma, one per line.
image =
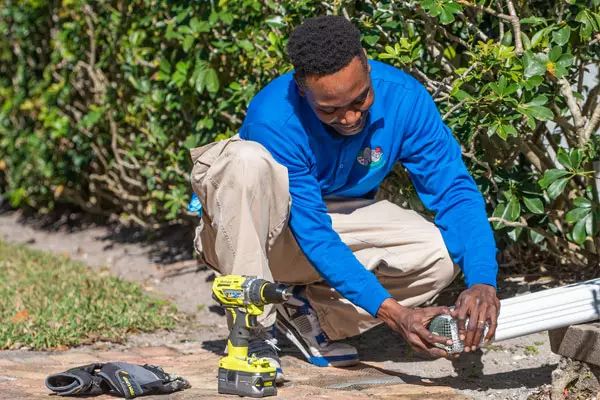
[480,304]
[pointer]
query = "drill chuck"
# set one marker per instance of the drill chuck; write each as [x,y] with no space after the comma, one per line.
[260,291]
[276,293]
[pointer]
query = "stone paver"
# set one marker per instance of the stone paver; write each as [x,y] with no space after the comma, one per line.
[23,378]
[579,342]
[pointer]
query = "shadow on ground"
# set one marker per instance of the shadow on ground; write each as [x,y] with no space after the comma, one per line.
[381,345]
[164,246]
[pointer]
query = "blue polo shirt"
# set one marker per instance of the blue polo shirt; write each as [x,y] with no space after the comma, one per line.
[404,126]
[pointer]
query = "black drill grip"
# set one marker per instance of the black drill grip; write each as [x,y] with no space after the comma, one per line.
[240,334]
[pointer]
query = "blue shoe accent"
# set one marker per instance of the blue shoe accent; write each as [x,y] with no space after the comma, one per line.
[195,205]
[326,361]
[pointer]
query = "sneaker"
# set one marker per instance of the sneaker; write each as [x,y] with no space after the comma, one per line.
[298,321]
[264,345]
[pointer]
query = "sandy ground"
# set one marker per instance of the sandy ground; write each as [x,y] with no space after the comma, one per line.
[164,266]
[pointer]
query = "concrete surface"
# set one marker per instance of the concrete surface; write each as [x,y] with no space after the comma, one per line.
[22,376]
[508,370]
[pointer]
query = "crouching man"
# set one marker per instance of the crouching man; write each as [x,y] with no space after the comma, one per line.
[291,199]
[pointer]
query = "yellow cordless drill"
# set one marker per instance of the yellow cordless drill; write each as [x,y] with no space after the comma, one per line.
[244,297]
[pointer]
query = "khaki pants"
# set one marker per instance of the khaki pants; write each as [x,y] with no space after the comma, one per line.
[246,202]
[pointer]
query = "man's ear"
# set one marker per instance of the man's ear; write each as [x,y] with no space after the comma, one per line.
[300,88]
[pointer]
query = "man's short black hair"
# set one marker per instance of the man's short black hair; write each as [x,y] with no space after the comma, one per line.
[323,45]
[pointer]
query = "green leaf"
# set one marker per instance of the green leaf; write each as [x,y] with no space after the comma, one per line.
[212,80]
[577,214]
[526,41]
[371,40]
[188,42]
[582,202]
[561,37]
[450,52]
[515,233]
[276,21]
[534,204]
[566,60]
[164,66]
[541,113]
[533,82]
[190,142]
[564,159]
[227,18]
[535,237]
[587,24]
[551,176]
[199,26]
[589,224]
[507,39]
[539,36]
[557,187]
[533,20]
[514,209]
[500,212]
[246,45]
[579,231]
[555,54]
[534,64]
[539,100]
[447,12]
[576,156]
[504,130]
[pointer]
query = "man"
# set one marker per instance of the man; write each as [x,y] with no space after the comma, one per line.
[291,199]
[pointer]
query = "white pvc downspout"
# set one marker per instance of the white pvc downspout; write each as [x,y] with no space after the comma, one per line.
[549,309]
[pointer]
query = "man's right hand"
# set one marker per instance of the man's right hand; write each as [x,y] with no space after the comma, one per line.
[412,325]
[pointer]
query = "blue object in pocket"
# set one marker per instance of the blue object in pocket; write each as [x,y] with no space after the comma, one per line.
[195,205]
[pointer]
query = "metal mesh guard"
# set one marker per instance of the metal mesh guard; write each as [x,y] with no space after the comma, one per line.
[445,325]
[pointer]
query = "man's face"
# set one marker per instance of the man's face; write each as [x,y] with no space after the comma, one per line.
[341,100]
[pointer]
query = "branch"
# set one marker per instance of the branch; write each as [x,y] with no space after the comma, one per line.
[562,122]
[485,9]
[509,223]
[474,27]
[471,155]
[592,98]
[591,126]
[567,92]
[433,85]
[501,23]
[516,24]
[513,18]
[454,108]
[118,161]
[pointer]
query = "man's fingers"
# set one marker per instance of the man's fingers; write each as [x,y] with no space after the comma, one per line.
[462,317]
[430,338]
[480,327]
[491,332]
[493,318]
[416,343]
[419,345]
[471,328]
[437,352]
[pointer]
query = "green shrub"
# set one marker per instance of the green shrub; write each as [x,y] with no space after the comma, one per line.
[102,100]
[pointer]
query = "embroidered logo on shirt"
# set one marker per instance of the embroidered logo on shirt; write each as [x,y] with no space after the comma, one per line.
[370,157]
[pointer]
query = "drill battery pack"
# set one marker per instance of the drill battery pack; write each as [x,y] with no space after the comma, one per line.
[248,384]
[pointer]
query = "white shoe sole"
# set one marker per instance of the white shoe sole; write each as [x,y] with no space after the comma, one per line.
[333,361]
